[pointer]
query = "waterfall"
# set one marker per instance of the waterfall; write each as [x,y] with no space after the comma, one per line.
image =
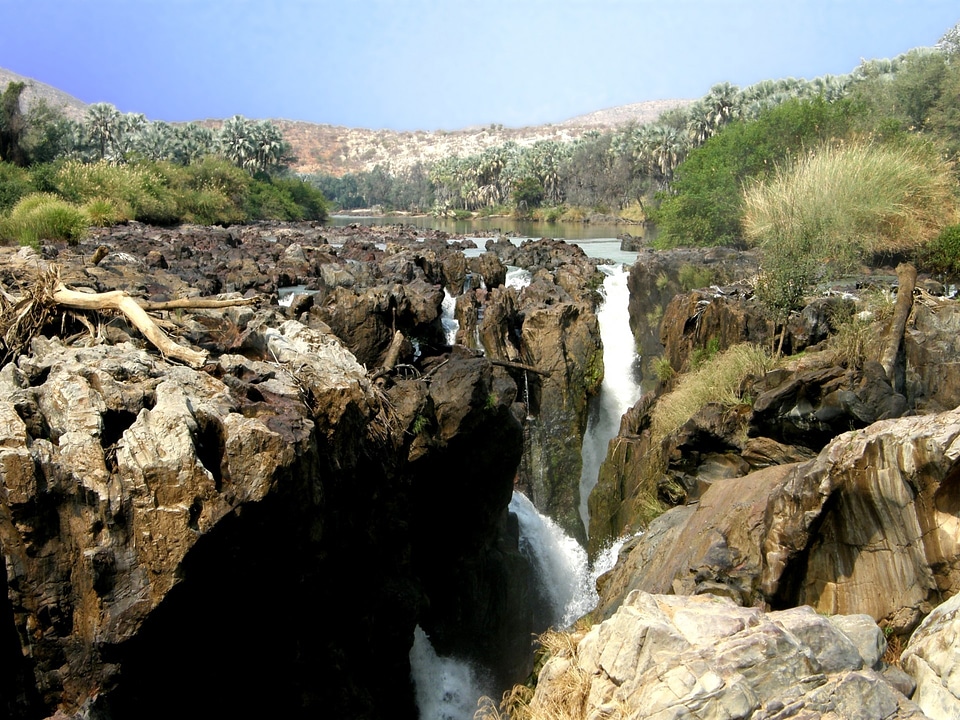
[620,389]
[450,324]
[559,563]
[446,688]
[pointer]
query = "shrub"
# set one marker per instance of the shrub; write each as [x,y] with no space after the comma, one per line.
[41,216]
[15,182]
[942,254]
[104,212]
[844,202]
[839,205]
[691,277]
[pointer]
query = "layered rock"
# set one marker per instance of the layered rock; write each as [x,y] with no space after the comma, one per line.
[669,656]
[869,526]
[931,658]
[550,326]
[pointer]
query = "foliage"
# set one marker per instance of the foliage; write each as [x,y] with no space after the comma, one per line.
[705,202]
[42,216]
[691,277]
[15,182]
[12,125]
[717,380]
[104,212]
[846,201]
[942,254]
[528,193]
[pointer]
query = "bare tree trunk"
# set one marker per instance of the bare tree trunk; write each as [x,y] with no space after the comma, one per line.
[907,279]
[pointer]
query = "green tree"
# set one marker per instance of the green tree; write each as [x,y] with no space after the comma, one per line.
[12,125]
[102,126]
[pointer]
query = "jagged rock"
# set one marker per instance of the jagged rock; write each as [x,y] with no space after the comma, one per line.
[931,344]
[657,276]
[155,519]
[664,656]
[931,657]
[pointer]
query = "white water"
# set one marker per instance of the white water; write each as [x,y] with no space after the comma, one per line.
[450,324]
[619,390]
[446,688]
[559,562]
[517,277]
[449,688]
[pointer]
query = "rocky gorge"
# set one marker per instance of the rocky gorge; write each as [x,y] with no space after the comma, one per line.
[261,530]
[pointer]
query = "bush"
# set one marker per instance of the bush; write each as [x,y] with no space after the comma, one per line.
[41,216]
[845,202]
[104,212]
[942,254]
[15,182]
[717,380]
[706,200]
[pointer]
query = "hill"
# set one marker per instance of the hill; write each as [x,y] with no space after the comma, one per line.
[337,150]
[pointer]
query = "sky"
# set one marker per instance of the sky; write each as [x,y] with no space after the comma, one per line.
[440,64]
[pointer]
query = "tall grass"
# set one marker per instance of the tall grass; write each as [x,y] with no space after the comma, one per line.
[844,202]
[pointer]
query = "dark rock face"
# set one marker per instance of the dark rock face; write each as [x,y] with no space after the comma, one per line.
[657,277]
[261,536]
[549,325]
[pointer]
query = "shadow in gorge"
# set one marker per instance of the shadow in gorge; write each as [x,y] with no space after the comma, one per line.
[282,611]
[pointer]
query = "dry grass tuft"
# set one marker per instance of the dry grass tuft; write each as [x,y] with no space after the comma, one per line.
[717,380]
[22,318]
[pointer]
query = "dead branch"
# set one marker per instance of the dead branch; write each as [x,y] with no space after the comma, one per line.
[197,303]
[907,280]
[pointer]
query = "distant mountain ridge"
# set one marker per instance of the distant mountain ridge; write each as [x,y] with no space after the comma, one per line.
[337,150]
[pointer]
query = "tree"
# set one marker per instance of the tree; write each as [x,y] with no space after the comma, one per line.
[102,125]
[528,193]
[12,125]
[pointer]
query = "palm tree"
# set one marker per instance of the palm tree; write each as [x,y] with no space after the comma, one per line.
[102,123]
[234,141]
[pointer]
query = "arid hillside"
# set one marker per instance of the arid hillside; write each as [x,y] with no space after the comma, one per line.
[338,150]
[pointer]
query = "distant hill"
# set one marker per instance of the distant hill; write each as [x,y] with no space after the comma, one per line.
[35,90]
[338,150]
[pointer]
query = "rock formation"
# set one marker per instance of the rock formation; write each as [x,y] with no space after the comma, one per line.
[663,656]
[253,536]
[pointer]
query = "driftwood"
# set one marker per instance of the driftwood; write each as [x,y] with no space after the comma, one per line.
[22,318]
[519,366]
[390,359]
[121,301]
[197,303]
[907,280]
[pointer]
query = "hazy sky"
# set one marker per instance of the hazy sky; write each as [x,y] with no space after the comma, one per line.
[440,64]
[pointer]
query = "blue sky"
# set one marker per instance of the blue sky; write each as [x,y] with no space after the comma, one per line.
[440,64]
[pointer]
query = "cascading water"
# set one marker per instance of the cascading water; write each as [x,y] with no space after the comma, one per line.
[562,573]
[450,323]
[620,389]
[446,688]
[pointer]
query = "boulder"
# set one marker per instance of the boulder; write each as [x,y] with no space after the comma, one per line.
[663,656]
[870,526]
[931,657]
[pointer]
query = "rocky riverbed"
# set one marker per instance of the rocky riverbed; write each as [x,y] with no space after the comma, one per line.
[262,530]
